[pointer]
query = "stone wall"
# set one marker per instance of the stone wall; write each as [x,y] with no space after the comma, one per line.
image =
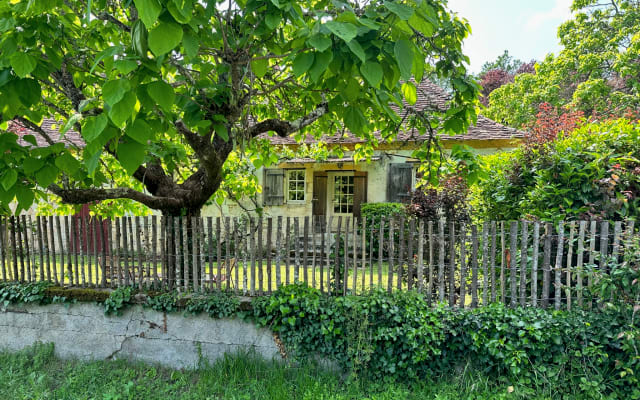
[82,331]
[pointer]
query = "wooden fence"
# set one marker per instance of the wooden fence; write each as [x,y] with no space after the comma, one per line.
[514,262]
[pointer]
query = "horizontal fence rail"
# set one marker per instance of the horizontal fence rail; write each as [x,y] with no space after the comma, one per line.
[461,264]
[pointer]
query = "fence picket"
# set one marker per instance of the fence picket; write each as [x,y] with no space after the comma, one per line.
[474,266]
[252,254]
[401,254]
[546,265]
[287,247]
[604,245]
[390,262]
[305,250]
[592,252]
[47,257]
[431,261]
[503,264]
[420,255]
[581,231]
[27,239]
[485,263]
[617,228]
[557,289]
[463,265]
[268,252]
[452,263]
[259,257]
[3,247]
[513,251]
[40,246]
[278,252]
[345,269]
[441,255]
[380,251]
[534,264]
[524,254]
[572,227]
[410,265]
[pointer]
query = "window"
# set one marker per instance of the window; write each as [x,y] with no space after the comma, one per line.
[295,185]
[343,190]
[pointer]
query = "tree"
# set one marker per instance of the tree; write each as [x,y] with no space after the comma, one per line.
[165,90]
[504,62]
[597,71]
[498,73]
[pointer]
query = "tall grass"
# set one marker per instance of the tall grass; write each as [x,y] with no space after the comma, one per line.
[35,373]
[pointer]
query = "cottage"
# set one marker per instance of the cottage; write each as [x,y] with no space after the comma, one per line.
[339,186]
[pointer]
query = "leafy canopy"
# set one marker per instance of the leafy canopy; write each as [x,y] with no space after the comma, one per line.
[164,90]
[597,71]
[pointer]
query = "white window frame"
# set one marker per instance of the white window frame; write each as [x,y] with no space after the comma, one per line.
[304,186]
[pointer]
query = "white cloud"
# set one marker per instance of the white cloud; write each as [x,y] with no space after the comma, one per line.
[560,12]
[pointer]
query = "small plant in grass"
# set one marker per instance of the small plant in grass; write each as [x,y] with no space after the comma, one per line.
[118,299]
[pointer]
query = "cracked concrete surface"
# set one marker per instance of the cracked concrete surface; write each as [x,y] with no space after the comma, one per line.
[83,331]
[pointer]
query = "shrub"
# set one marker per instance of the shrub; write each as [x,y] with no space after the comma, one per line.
[592,173]
[448,199]
[373,213]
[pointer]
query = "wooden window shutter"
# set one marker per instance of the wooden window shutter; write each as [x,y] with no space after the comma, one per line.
[359,191]
[273,187]
[399,183]
[319,193]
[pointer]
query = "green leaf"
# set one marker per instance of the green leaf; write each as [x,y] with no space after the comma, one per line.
[164,38]
[259,67]
[162,93]
[409,92]
[25,197]
[221,130]
[131,155]
[404,56]
[123,110]
[149,11]
[191,44]
[70,123]
[29,91]
[125,66]
[320,65]
[356,49]
[272,20]
[113,91]
[355,120]
[401,10]
[46,176]
[22,63]
[92,127]
[67,163]
[344,30]
[140,131]
[372,72]
[422,25]
[9,179]
[302,63]
[320,42]
[181,10]
[31,165]
[7,23]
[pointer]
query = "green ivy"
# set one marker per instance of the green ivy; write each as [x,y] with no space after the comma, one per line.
[400,336]
[216,304]
[118,299]
[15,292]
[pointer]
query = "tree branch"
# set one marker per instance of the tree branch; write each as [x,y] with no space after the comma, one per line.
[285,128]
[83,196]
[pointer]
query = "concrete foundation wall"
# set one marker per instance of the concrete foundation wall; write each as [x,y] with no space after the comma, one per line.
[82,331]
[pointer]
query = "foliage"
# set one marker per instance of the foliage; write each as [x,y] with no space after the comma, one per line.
[15,292]
[161,103]
[504,62]
[217,304]
[163,302]
[405,338]
[592,173]
[374,213]
[499,72]
[118,300]
[446,200]
[596,72]
[550,123]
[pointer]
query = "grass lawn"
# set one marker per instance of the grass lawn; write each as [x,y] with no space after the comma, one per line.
[36,374]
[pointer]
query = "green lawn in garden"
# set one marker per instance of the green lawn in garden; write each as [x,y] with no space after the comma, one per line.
[36,374]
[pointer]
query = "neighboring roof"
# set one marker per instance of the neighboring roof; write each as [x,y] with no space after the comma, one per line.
[429,97]
[52,128]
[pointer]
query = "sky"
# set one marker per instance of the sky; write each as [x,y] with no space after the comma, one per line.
[527,28]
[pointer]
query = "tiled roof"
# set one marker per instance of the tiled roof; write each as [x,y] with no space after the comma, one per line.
[429,97]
